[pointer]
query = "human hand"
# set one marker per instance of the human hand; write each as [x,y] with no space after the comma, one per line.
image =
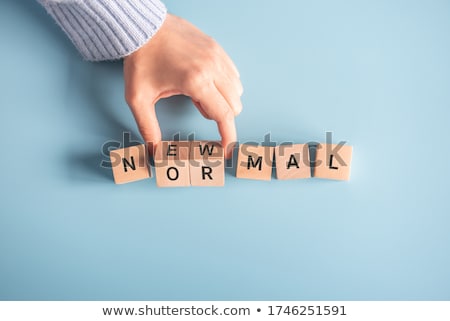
[181,60]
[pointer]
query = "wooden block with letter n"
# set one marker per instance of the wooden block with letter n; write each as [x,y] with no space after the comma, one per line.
[207,164]
[255,162]
[292,161]
[129,164]
[172,164]
[333,161]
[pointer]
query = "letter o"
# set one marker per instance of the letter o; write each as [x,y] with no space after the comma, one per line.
[177,174]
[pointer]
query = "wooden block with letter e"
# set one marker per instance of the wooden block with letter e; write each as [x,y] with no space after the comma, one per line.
[254,162]
[207,164]
[172,164]
[129,164]
[333,161]
[292,161]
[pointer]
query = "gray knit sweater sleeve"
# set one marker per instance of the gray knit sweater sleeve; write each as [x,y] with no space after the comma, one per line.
[107,29]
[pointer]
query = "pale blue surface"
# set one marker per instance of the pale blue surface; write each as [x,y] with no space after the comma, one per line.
[376,74]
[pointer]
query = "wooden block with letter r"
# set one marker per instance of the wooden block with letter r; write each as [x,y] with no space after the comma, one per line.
[333,161]
[292,161]
[172,164]
[130,164]
[255,162]
[207,164]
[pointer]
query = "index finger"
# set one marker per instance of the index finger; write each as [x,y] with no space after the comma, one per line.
[213,105]
[227,130]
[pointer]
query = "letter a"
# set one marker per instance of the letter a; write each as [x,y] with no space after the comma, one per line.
[292,162]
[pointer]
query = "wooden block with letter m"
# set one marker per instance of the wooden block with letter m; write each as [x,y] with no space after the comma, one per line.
[255,162]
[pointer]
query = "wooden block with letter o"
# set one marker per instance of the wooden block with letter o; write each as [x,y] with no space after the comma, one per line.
[172,164]
[255,162]
[292,161]
[129,164]
[333,161]
[207,164]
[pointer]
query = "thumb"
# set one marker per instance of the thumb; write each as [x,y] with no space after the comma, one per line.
[147,122]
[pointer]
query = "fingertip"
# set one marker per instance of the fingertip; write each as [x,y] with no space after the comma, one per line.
[228,149]
[148,125]
[238,107]
[152,139]
[241,88]
[227,129]
[151,147]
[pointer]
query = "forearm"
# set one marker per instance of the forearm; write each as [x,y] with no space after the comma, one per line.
[107,29]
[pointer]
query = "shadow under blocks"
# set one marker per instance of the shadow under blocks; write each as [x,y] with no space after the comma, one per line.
[202,163]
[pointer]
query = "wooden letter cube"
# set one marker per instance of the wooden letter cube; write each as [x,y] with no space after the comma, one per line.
[333,162]
[129,164]
[207,164]
[172,164]
[255,162]
[292,161]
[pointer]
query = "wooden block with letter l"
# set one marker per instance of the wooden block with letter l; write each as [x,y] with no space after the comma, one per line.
[333,161]
[129,164]
[207,164]
[292,161]
[172,164]
[255,162]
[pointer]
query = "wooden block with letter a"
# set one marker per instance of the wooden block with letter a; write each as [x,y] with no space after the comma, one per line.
[292,161]
[172,164]
[333,161]
[255,162]
[130,164]
[207,164]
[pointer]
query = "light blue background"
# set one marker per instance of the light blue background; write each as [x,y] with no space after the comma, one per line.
[375,73]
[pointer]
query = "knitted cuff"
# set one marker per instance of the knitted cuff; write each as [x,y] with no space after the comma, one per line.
[107,29]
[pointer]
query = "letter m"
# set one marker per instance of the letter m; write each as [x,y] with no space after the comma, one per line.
[252,163]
